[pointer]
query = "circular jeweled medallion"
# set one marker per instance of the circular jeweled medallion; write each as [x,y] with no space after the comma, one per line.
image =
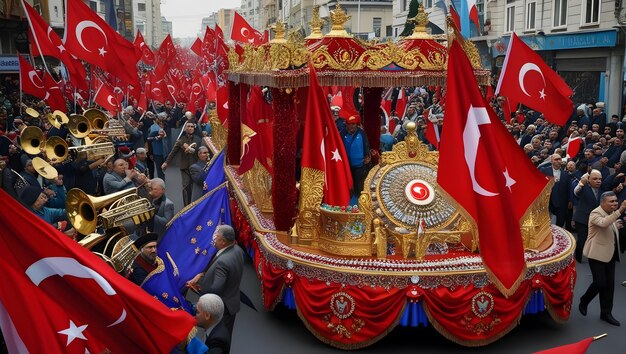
[419,192]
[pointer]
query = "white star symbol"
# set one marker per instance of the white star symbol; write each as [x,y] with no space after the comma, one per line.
[509,181]
[542,94]
[73,332]
[61,48]
[102,51]
[336,156]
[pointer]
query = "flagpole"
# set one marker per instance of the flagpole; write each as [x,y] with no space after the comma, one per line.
[30,25]
[600,336]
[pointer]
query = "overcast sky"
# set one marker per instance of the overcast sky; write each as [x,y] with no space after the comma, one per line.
[187,15]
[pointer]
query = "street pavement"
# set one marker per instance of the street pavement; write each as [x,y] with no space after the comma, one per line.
[261,332]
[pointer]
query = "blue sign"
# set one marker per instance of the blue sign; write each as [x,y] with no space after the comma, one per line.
[596,39]
[9,64]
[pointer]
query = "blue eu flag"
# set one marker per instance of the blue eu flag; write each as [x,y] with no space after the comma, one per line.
[186,247]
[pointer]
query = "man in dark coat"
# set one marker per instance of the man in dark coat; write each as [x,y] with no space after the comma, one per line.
[559,198]
[588,191]
[146,260]
[223,274]
[209,313]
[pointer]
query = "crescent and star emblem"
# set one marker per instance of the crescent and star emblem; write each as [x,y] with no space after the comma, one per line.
[522,74]
[90,24]
[62,266]
[477,116]
[110,100]
[32,75]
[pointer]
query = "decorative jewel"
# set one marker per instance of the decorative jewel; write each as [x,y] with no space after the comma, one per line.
[342,305]
[415,279]
[289,264]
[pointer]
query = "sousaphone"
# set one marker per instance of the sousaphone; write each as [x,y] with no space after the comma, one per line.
[57,118]
[32,140]
[96,118]
[79,126]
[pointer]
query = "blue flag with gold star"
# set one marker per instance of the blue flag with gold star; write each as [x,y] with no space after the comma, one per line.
[215,175]
[186,247]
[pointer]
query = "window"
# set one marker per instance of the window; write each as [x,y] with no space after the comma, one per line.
[591,12]
[531,12]
[404,5]
[93,5]
[428,4]
[376,25]
[509,25]
[560,13]
[141,6]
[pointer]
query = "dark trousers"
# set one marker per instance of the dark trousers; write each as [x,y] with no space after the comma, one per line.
[581,237]
[229,322]
[158,161]
[185,176]
[560,214]
[358,178]
[603,283]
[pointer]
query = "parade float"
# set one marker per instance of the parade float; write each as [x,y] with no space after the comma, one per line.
[407,253]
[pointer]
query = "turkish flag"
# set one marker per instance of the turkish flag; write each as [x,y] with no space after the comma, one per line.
[574,348]
[30,81]
[222,104]
[473,14]
[401,103]
[196,47]
[243,32]
[79,302]
[256,132]
[208,45]
[526,79]
[572,147]
[47,42]
[90,38]
[482,168]
[210,86]
[54,96]
[106,99]
[432,131]
[322,147]
[147,56]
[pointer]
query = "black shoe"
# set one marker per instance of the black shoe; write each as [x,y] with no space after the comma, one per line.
[610,319]
[582,307]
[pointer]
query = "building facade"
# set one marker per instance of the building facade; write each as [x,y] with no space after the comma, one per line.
[147,19]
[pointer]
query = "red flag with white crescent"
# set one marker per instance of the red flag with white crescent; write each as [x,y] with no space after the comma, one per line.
[482,167]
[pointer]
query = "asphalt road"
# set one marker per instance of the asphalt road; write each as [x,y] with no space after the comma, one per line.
[261,332]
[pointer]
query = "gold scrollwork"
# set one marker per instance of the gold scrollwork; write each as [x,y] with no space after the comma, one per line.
[311,193]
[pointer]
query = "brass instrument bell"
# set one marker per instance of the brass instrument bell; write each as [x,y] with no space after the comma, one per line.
[57,118]
[79,126]
[32,140]
[32,112]
[56,149]
[82,209]
[96,118]
[44,169]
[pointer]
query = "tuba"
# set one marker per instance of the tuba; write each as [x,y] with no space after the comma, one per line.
[79,126]
[32,140]
[57,118]
[56,149]
[119,251]
[129,208]
[96,118]
[82,209]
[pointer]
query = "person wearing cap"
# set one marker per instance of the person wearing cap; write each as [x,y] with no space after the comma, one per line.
[209,314]
[358,151]
[35,200]
[198,173]
[140,162]
[30,175]
[185,145]
[146,260]
[223,274]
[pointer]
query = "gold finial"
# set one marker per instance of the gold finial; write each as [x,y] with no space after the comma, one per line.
[338,18]
[420,20]
[279,32]
[316,24]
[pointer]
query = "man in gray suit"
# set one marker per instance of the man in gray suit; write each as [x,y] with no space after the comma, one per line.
[198,173]
[120,178]
[163,206]
[223,274]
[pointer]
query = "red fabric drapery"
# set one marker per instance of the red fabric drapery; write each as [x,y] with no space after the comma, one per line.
[233,151]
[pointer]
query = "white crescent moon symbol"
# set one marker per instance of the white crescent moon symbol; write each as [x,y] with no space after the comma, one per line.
[476,116]
[110,100]
[245,32]
[62,266]
[31,75]
[225,105]
[156,91]
[82,25]
[48,34]
[194,91]
[117,89]
[171,89]
[524,70]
